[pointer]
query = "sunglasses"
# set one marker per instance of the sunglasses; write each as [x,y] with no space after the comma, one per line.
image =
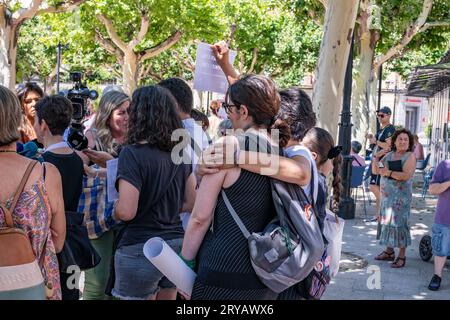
[334,152]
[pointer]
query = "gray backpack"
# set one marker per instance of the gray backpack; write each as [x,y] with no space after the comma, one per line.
[287,250]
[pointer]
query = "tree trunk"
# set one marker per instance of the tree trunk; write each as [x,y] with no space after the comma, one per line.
[363,77]
[8,51]
[327,95]
[130,72]
[373,99]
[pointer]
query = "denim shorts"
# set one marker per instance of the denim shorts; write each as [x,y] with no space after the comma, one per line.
[440,240]
[136,277]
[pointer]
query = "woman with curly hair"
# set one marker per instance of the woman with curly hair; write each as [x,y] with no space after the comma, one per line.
[153,190]
[396,170]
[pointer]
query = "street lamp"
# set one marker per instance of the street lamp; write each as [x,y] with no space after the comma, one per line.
[346,203]
[59,49]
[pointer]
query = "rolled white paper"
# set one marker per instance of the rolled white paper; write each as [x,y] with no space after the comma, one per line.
[162,256]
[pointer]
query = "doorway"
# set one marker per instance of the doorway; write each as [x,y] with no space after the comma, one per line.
[411,119]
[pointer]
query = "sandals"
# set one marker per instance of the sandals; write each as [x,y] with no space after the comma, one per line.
[397,264]
[386,256]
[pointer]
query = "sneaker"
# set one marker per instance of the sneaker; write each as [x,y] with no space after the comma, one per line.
[435,283]
[374,219]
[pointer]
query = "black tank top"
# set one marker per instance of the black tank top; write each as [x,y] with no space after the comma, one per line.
[70,166]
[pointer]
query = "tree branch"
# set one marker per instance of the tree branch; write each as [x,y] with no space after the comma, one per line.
[149,72]
[26,13]
[166,44]
[313,15]
[324,3]
[241,62]
[231,35]
[142,32]
[186,64]
[434,24]
[254,58]
[61,7]
[191,60]
[108,46]
[409,33]
[112,33]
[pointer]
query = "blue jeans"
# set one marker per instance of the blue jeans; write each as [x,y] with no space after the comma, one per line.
[440,240]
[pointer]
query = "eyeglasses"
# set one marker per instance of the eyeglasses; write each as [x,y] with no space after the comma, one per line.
[380,115]
[227,107]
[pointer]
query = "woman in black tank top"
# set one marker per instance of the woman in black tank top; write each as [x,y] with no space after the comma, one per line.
[224,268]
[53,115]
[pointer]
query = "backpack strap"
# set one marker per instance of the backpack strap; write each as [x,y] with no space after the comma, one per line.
[8,213]
[195,147]
[235,215]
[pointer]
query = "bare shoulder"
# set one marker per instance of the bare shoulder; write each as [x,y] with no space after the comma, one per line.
[52,175]
[412,157]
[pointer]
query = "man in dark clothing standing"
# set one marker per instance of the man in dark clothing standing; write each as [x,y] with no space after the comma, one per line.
[383,146]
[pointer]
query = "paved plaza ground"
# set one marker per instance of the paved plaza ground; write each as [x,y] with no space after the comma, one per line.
[360,247]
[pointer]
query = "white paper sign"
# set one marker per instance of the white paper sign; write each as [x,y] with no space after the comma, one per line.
[158,252]
[111,175]
[208,75]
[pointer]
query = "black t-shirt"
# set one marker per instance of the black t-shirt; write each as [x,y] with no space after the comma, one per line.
[161,185]
[384,134]
[70,166]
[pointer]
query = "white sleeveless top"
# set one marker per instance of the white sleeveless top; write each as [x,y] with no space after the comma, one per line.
[302,151]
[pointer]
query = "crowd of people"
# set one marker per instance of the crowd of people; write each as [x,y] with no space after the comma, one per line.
[182,202]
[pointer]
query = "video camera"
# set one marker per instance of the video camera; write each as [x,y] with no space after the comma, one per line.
[78,95]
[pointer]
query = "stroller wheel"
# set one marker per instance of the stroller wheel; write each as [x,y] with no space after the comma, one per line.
[425,249]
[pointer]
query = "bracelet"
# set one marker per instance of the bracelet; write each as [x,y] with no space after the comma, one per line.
[189,263]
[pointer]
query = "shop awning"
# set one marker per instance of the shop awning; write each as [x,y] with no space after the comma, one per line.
[426,81]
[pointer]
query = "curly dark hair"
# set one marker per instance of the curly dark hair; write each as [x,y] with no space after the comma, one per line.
[181,92]
[297,111]
[153,117]
[399,132]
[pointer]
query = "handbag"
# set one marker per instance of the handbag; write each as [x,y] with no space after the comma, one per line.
[94,204]
[332,230]
[19,268]
[77,250]
[315,284]
[98,211]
